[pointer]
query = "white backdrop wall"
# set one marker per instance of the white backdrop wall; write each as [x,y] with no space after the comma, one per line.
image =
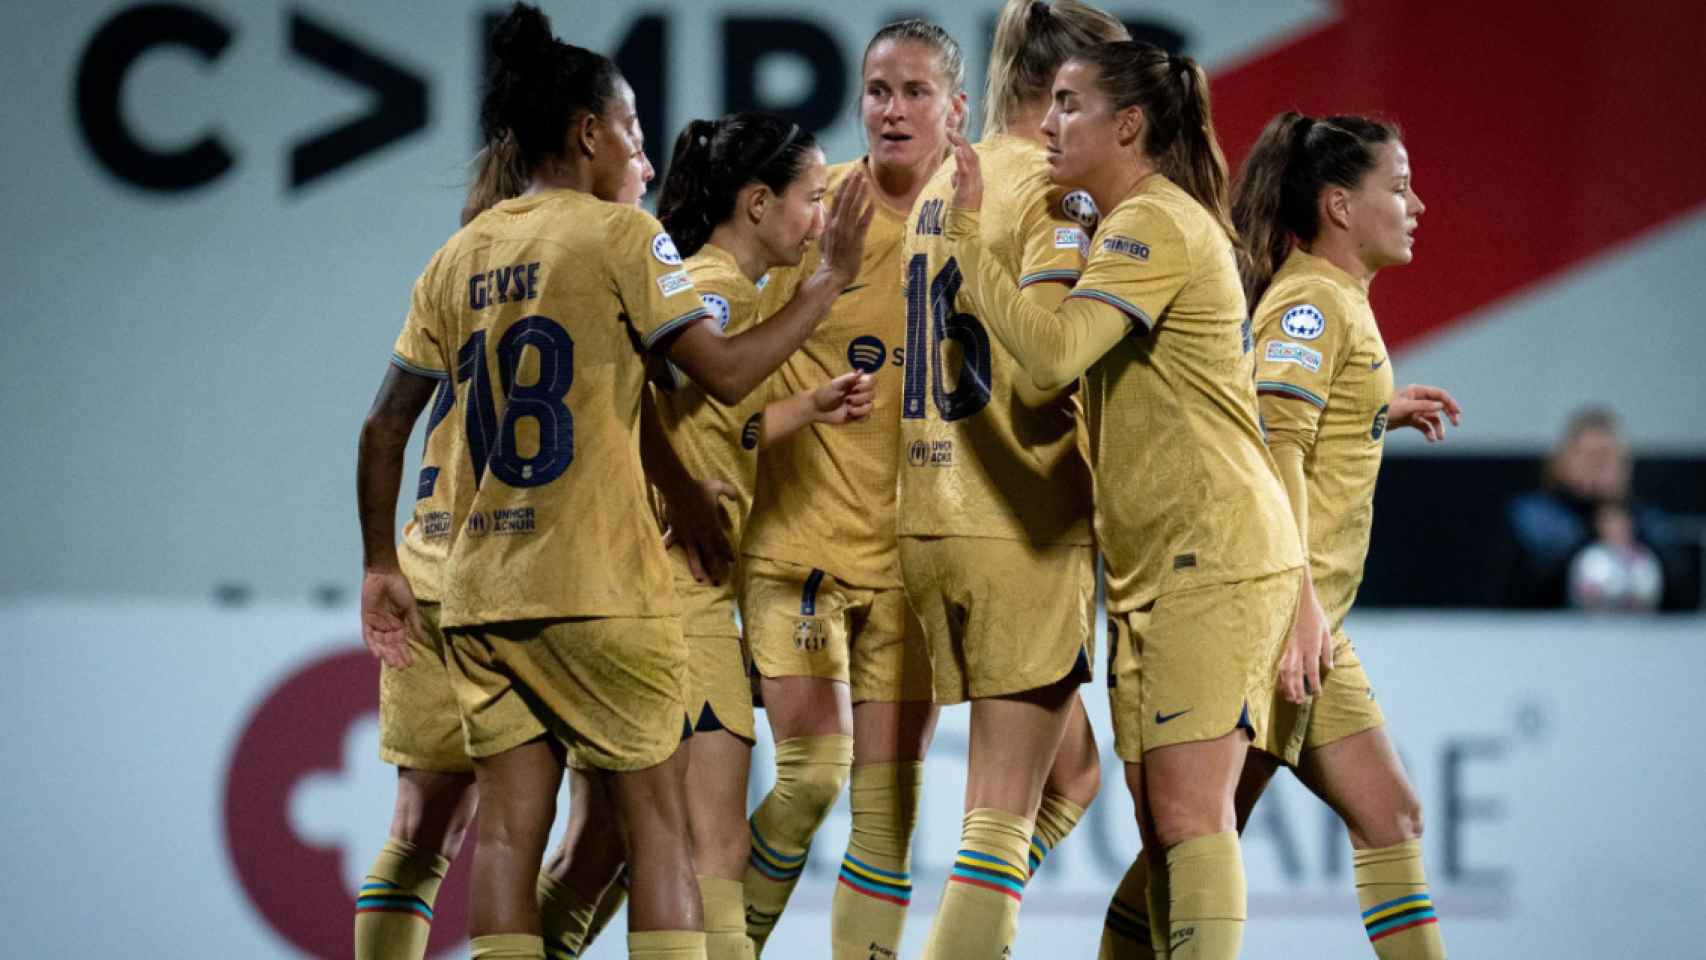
[185,371]
[220,769]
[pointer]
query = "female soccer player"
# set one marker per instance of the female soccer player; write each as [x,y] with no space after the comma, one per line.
[827,621]
[1324,205]
[420,730]
[1202,554]
[743,196]
[994,494]
[558,608]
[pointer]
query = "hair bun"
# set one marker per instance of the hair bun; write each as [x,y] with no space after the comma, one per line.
[521,37]
[1040,10]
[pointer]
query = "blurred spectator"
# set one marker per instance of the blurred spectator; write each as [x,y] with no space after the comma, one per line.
[1581,541]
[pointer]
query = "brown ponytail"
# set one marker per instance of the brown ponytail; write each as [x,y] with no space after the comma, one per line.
[499,175]
[1275,201]
[1178,123]
[1032,40]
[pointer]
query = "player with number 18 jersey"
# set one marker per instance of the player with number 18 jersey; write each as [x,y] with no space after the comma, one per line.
[540,311]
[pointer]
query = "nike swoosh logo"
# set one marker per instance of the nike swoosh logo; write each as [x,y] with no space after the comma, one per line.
[856,286]
[1161,718]
[1376,365]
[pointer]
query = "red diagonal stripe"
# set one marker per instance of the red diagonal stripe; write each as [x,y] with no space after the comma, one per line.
[1541,133]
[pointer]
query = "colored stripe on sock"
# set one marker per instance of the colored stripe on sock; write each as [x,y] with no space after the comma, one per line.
[1127,922]
[389,898]
[1039,851]
[772,862]
[871,881]
[1395,916]
[991,873]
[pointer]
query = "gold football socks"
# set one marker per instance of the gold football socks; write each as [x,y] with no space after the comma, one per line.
[810,772]
[874,888]
[393,912]
[725,919]
[1127,933]
[979,914]
[1397,910]
[1206,920]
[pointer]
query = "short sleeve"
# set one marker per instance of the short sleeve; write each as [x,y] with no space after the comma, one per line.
[656,291]
[1138,263]
[1054,245]
[419,348]
[1301,340]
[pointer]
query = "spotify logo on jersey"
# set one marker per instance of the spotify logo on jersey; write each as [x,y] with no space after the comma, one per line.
[867,354]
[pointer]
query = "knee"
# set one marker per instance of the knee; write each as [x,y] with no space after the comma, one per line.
[1178,819]
[1401,822]
[434,812]
[812,786]
[1081,782]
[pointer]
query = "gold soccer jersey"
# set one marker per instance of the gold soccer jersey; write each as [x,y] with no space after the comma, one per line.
[985,453]
[826,494]
[540,311]
[426,537]
[1186,494]
[1324,382]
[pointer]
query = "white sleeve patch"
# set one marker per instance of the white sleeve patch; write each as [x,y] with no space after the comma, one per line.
[673,283]
[663,248]
[719,308]
[1068,238]
[1281,352]
[1304,322]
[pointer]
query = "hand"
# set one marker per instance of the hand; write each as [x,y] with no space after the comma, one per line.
[1308,650]
[692,520]
[388,616]
[843,243]
[968,175]
[1420,406]
[847,397]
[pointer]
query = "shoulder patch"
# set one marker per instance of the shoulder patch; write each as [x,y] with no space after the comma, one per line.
[1078,206]
[1280,351]
[674,282]
[1304,322]
[1135,249]
[1068,238]
[719,307]
[663,248]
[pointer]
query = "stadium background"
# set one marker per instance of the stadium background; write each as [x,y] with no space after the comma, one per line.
[217,209]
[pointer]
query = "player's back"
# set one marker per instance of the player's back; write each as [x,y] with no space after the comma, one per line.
[1186,493]
[546,304]
[985,453]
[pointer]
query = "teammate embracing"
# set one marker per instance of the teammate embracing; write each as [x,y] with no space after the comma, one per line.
[1202,554]
[995,498]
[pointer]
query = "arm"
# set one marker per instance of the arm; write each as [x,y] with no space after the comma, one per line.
[1056,346]
[728,368]
[1301,664]
[845,398]
[387,603]
[690,509]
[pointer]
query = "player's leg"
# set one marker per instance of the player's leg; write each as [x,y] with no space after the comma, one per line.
[1072,784]
[665,919]
[716,808]
[894,720]
[1013,741]
[518,793]
[1136,924]
[393,913]
[797,631]
[420,732]
[1208,664]
[579,886]
[1362,779]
